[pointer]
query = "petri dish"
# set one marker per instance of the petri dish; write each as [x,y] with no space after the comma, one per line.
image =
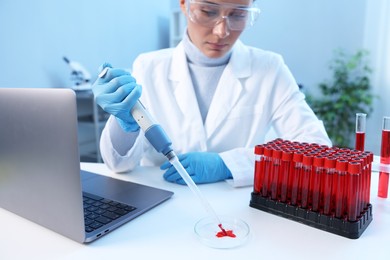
[207,229]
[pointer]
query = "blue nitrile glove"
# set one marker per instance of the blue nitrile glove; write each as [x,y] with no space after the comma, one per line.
[116,93]
[203,167]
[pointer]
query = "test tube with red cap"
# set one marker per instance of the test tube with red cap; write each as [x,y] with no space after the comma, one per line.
[367,191]
[341,187]
[259,168]
[315,182]
[360,131]
[307,163]
[296,169]
[330,169]
[327,189]
[267,171]
[354,169]
[385,158]
[276,168]
[362,180]
[285,189]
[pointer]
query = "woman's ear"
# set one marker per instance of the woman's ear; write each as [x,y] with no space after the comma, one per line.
[183,6]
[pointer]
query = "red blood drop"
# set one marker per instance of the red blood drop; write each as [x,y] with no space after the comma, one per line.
[227,233]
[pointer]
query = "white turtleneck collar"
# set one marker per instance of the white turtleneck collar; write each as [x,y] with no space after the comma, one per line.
[195,56]
[205,73]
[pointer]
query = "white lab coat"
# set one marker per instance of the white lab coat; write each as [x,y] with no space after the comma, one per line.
[256,91]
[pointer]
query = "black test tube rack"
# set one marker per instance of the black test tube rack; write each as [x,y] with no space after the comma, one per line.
[322,187]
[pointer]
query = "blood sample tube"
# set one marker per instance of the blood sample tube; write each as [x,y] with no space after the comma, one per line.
[341,187]
[267,171]
[296,177]
[327,186]
[330,170]
[353,173]
[363,159]
[360,131]
[285,177]
[367,192]
[276,165]
[259,168]
[315,182]
[385,158]
[307,162]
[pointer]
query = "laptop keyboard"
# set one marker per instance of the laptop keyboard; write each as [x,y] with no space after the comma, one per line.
[99,211]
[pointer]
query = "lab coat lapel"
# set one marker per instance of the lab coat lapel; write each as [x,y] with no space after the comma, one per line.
[183,89]
[225,97]
[229,88]
[185,96]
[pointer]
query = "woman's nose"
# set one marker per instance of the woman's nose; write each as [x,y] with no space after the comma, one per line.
[221,29]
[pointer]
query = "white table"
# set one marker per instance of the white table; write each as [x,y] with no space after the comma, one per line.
[166,232]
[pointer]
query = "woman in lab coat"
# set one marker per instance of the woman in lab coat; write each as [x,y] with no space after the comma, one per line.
[215,97]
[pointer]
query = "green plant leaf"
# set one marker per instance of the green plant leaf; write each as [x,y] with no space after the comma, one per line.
[348,92]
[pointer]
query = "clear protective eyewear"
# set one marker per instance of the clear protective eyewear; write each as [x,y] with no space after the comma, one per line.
[210,14]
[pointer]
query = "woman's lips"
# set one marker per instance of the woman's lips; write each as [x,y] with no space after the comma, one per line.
[217,46]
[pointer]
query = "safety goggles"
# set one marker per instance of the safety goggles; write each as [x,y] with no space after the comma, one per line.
[210,14]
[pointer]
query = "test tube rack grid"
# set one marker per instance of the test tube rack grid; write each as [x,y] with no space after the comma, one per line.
[276,186]
[317,220]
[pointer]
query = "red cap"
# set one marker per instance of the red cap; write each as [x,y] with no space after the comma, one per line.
[305,144]
[362,159]
[341,165]
[259,149]
[287,155]
[370,156]
[325,154]
[277,141]
[318,161]
[296,144]
[354,167]
[324,147]
[307,159]
[314,145]
[297,157]
[332,151]
[330,162]
[345,150]
[268,151]
[335,148]
[356,152]
[277,154]
[343,156]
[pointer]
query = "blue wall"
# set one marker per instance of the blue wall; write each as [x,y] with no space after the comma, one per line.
[306,32]
[35,35]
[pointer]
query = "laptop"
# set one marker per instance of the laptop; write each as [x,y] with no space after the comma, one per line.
[40,176]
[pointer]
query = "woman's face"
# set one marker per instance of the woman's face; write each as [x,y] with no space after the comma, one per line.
[216,41]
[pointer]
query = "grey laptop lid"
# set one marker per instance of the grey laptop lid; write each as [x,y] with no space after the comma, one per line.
[40,169]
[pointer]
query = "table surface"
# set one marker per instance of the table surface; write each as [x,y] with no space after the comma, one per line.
[167,231]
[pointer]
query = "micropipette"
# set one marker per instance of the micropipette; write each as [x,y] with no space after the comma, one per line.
[186,177]
[161,142]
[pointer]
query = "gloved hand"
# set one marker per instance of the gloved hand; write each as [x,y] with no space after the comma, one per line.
[203,167]
[116,93]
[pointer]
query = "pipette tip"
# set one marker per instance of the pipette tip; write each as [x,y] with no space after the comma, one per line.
[224,233]
[223,230]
